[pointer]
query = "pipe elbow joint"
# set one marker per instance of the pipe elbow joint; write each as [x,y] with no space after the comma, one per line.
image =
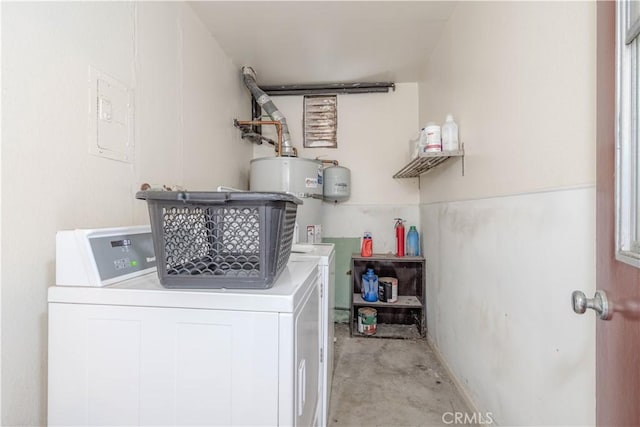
[248,72]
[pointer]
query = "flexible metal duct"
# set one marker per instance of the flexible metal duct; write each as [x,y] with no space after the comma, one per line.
[264,100]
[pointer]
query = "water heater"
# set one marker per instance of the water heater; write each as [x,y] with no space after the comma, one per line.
[301,177]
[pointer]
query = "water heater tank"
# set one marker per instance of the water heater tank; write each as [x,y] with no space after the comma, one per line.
[337,184]
[297,176]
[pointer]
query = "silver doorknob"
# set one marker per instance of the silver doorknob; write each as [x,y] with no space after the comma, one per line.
[599,303]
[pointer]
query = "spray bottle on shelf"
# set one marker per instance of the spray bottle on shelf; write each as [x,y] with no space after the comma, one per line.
[399,229]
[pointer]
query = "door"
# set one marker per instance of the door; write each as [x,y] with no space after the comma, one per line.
[618,339]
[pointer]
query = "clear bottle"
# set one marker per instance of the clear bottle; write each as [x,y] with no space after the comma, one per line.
[450,135]
[413,242]
[370,286]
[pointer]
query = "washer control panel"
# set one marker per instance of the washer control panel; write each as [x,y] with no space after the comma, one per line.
[103,256]
[122,254]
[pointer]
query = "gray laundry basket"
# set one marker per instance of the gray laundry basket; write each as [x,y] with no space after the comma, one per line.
[212,240]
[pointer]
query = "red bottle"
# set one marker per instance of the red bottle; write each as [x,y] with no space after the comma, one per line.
[367,245]
[399,228]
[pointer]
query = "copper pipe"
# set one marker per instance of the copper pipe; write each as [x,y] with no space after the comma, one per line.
[333,162]
[267,105]
[276,123]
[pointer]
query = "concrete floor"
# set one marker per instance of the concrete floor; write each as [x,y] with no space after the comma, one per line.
[389,382]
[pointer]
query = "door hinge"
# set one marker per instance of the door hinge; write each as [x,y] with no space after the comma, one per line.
[321,354]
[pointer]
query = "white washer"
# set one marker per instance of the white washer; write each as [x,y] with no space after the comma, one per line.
[325,253]
[135,353]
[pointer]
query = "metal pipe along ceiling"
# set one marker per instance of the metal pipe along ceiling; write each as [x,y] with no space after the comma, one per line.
[328,88]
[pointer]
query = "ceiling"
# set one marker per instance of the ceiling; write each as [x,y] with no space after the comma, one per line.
[327,42]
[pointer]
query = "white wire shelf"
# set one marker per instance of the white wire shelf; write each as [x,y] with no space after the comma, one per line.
[427,161]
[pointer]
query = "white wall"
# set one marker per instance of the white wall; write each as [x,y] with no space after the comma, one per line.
[1,68]
[519,80]
[508,242]
[186,94]
[373,134]
[500,275]
[213,95]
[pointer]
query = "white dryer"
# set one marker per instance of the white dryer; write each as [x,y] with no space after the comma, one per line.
[135,353]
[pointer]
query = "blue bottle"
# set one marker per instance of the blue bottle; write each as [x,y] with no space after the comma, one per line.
[413,242]
[370,286]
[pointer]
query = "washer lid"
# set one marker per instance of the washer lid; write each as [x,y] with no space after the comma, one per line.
[323,251]
[146,291]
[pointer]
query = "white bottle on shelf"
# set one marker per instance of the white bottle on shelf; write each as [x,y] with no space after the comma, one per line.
[450,135]
[432,137]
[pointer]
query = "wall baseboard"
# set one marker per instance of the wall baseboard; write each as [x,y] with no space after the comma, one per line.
[471,404]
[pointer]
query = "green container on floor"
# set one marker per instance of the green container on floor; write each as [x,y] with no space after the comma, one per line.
[367,320]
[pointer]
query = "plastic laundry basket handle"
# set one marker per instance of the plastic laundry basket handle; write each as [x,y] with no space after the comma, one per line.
[215,197]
